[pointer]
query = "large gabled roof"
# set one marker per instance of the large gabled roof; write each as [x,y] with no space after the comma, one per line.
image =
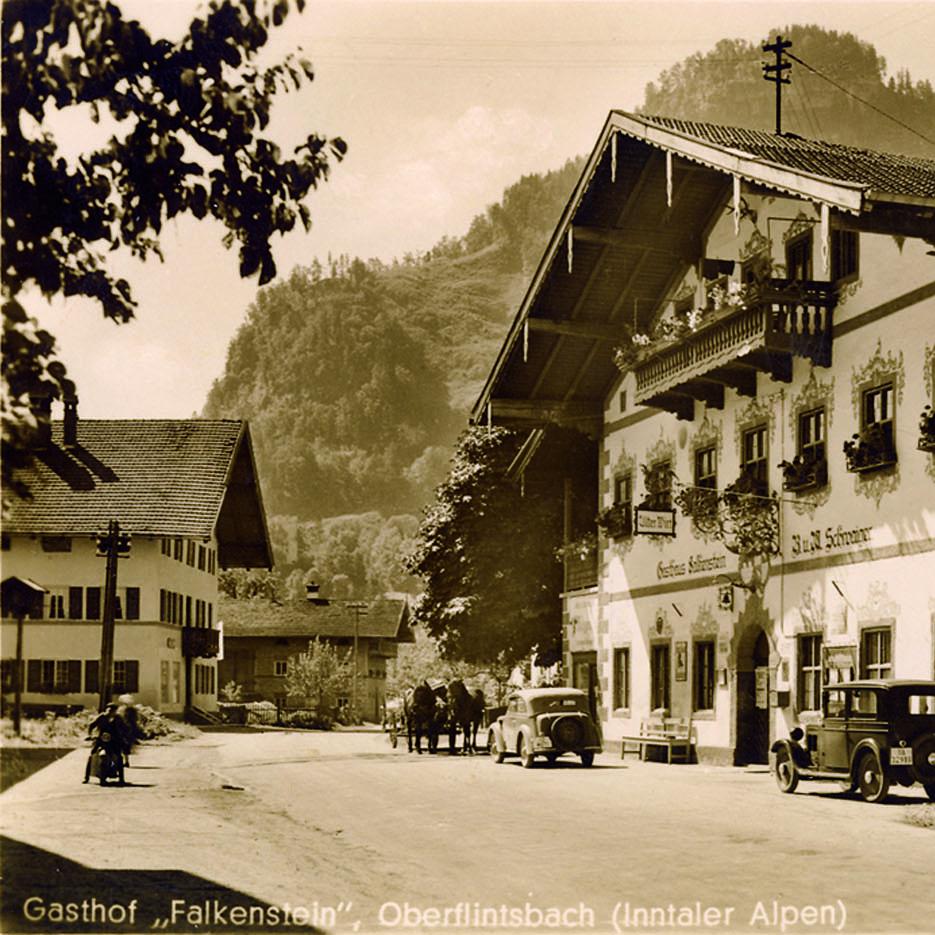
[636,221]
[385,618]
[192,478]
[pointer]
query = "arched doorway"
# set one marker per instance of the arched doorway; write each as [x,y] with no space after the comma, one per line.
[752,698]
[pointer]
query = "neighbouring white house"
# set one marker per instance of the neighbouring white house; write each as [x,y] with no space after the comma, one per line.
[187,492]
[741,325]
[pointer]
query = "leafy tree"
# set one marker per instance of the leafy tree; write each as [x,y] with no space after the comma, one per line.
[319,676]
[187,119]
[491,587]
[243,584]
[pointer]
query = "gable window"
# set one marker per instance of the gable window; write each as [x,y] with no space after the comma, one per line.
[753,457]
[622,677]
[845,254]
[799,257]
[659,689]
[876,660]
[703,681]
[810,672]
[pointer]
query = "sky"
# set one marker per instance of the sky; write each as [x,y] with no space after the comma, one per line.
[443,105]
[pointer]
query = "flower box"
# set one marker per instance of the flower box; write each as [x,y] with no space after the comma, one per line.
[870,450]
[927,430]
[616,521]
[807,474]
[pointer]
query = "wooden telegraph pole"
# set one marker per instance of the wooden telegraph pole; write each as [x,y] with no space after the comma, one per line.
[774,73]
[111,545]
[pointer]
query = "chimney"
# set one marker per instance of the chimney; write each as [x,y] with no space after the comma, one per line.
[70,430]
[41,406]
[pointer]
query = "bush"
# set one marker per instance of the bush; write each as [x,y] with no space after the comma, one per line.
[306,719]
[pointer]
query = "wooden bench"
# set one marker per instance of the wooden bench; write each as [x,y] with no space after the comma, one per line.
[674,734]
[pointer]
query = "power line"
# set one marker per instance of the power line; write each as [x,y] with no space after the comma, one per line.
[844,90]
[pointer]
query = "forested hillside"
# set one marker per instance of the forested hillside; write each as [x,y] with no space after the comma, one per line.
[357,377]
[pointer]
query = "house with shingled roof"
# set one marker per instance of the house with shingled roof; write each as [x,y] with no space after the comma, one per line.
[261,636]
[739,325]
[187,492]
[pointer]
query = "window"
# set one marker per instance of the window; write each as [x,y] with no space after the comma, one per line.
[56,605]
[93,601]
[201,558]
[281,667]
[622,677]
[4,542]
[164,680]
[877,419]
[55,543]
[53,676]
[863,703]
[753,457]
[714,288]
[659,486]
[799,257]
[810,672]
[660,676]
[812,435]
[7,670]
[126,676]
[133,603]
[703,676]
[705,499]
[845,254]
[623,400]
[176,682]
[91,670]
[177,550]
[190,553]
[875,653]
[188,611]
[75,603]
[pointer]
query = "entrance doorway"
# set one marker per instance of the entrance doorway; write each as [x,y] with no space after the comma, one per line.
[753,699]
[584,676]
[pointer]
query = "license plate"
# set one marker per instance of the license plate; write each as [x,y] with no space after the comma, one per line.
[901,756]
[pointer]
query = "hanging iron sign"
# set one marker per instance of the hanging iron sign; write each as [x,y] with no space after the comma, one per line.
[654,522]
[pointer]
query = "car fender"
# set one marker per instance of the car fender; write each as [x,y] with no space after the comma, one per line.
[868,743]
[495,736]
[798,753]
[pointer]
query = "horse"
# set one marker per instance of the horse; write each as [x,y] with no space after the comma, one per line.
[419,710]
[466,712]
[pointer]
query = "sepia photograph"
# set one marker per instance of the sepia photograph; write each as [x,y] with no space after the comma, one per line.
[468,466]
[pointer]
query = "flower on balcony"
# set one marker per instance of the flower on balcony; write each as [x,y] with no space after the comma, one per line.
[870,449]
[616,521]
[803,473]
[927,429]
[701,505]
[580,549]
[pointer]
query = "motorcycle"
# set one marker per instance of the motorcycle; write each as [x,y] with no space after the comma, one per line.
[106,760]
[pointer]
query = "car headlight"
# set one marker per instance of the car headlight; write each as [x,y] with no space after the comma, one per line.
[931,759]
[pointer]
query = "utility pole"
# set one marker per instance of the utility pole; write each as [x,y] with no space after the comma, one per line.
[774,73]
[359,607]
[19,597]
[111,545]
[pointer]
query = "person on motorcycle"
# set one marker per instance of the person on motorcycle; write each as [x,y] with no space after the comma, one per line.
[111,739]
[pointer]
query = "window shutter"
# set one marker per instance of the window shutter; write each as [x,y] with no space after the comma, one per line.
[132,680]
[91,669]
[34,675]
[75,603]
[74,675]
[133,603]
[93,603]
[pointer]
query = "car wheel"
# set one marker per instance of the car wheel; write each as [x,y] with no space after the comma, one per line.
[929,790]
[587,757]
[496,754]
[787,776]
[526,756]
[872,780]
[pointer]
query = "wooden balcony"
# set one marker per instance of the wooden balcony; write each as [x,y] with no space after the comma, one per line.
[200,641]
[781,320]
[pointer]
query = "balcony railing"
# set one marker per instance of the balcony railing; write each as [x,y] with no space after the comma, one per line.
[782,317]
[200,641]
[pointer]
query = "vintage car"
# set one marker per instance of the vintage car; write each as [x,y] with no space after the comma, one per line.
[872,733]
[544,722]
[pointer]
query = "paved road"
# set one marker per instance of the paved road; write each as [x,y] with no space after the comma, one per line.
[358,834]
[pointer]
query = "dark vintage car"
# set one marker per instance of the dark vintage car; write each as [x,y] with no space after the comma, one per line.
[544,722]
[872,733]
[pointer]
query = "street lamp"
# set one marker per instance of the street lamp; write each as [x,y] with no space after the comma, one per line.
[313,596]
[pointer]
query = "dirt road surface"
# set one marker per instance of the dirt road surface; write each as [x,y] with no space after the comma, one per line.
[344,833]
